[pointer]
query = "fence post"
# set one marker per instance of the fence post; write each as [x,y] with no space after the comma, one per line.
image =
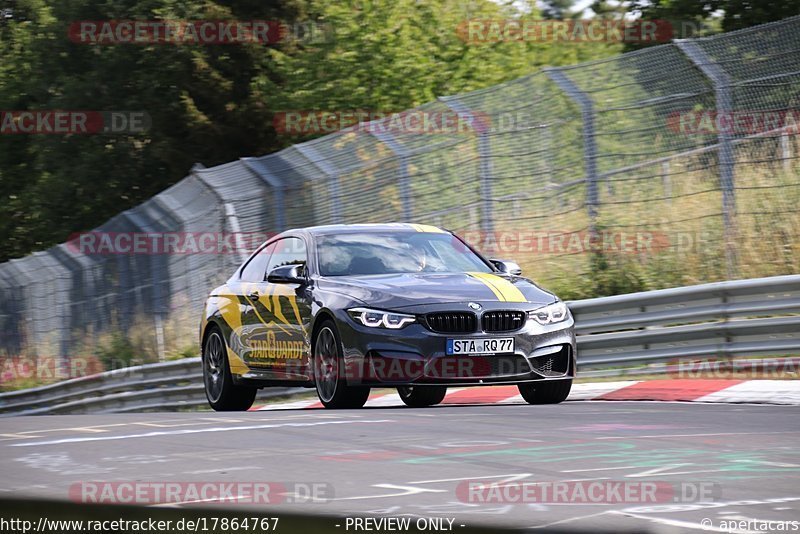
[330,172]
[786,152]
[388,139]
[484,156]
[159,272]
[721,82]
[666,183]
[276,186]
[589,141]
[232,220]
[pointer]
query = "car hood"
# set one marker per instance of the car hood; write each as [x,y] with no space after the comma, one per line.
[393,291]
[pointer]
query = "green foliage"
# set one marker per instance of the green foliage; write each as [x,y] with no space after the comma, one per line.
[189,351]
[116,352]
[715,15]
[216,103]
[393,55]
[557,9]
[199,98]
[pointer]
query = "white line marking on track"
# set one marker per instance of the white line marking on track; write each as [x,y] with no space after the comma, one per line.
[198,501]
[569,520]
[516,476]
[661,436]
[407,490]
[217,470]
[193,431]
[601,469]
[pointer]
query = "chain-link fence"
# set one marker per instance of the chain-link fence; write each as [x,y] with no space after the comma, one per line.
[672,165]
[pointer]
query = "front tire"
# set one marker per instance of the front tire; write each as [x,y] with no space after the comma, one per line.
[330,377]
[421,396]
[222,393]
[545,391]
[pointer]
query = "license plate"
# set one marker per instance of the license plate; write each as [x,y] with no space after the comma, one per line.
[480,345]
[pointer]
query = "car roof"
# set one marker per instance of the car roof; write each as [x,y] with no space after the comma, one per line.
[368,228]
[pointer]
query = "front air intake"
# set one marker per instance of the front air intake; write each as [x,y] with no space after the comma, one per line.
[452,322]
[503,321]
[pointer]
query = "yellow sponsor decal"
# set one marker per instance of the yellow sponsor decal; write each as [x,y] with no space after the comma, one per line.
[426,228]
[270,348]
[270,300]
[274,349]
[229,309]
[504,290]
[238,367]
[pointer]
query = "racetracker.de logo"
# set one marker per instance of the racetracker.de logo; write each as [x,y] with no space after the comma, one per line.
[167,492]
[480,31]
[411,122]
[586,492]
[111,243]
[745,369]
[73,122]
[741,122]
[196,32]
[568,242]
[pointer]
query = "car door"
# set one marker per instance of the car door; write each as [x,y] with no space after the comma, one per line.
[252,291]
[287,340]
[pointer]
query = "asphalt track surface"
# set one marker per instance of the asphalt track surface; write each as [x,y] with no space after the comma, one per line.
[404,462]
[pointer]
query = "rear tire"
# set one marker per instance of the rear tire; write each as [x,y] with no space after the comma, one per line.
[421,396]
[545,391]
[330,377]
[222,393]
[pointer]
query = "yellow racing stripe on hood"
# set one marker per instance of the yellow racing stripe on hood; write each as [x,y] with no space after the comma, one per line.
[504,290]
[426,228]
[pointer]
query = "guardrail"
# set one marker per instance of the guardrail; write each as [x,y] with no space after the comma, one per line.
[725,319]
[646,331]
[168,386]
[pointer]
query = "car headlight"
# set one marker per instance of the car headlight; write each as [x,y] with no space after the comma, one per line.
[552,313]
[381,319]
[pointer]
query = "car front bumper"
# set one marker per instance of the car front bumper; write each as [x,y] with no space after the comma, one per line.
[416,355]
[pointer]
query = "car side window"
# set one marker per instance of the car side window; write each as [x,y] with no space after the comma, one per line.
[256,268]
[288,251]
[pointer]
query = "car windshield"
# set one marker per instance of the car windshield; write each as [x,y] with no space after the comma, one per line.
[395,252]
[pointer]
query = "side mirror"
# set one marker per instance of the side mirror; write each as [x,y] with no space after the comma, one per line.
[507,266]
[286,274]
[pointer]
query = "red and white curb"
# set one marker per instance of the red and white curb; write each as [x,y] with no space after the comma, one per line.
[686,390]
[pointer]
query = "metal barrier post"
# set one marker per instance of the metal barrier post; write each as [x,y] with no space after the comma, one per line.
[484,156]
[589,141]
[330,172]
[722,92]
[404,181]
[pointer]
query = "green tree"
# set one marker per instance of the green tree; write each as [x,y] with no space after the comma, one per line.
[712,16]
[393,55]
[214,104]
[557,9]
[199,98]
